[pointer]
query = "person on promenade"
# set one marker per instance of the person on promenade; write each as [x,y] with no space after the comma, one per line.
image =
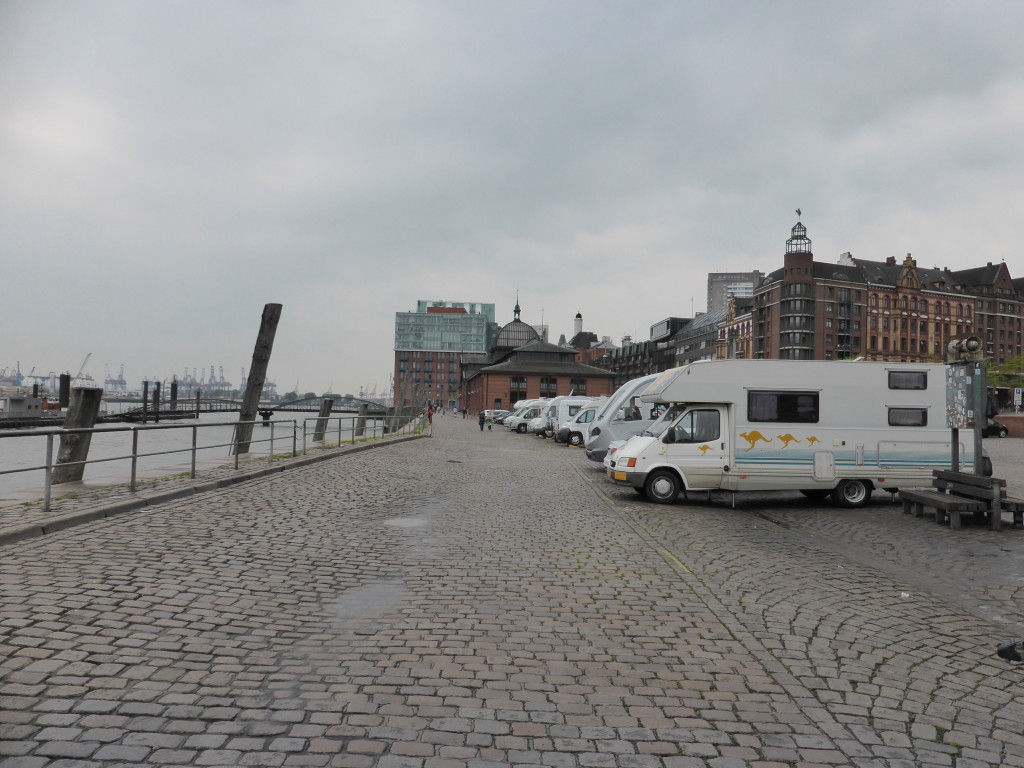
[430,415]
[480,421]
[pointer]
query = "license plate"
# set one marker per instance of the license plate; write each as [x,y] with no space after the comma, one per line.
[619,476]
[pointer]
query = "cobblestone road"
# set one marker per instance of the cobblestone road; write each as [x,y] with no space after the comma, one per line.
[485,599]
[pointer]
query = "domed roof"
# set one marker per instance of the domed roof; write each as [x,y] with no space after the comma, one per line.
[515,334]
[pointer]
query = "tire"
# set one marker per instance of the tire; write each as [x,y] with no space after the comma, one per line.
[576,438]
[817,494]
[521,429]
[662,487]
[852,493]
[1003,432]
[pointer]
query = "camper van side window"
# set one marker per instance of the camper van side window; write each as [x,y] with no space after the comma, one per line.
[908,380]
[698,427]
[795,407]
[908,417]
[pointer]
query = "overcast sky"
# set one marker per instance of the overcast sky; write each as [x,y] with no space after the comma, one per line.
[167,168]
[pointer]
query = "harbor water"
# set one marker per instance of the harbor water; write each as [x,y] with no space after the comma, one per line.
[114,448]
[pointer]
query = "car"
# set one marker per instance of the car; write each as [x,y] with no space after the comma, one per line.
[499,416]
[994,429]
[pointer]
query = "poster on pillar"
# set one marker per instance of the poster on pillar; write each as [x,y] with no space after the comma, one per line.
[959,397]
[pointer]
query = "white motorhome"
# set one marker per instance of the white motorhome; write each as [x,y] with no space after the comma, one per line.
[574,431]
[530,409]
[621,417]
[824,428]
[560,410]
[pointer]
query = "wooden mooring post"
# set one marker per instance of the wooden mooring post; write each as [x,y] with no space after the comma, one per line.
[320,431]
[361,421]
[82,413]
[257,376]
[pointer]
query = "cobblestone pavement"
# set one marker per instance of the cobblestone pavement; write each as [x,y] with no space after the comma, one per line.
[486,599]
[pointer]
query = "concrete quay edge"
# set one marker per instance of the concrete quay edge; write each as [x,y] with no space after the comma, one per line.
[21,532]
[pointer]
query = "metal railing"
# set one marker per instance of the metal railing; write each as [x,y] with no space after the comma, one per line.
[349,428]
[49,464]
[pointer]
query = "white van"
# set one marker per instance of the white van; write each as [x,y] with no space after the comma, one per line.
[561,410]
[824,428]
[621,417]
[575,431]
[530,410]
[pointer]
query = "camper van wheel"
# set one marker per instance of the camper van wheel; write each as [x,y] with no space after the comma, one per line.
[851,493]
[521,429]
[815,493]
[662,487]
[575,439]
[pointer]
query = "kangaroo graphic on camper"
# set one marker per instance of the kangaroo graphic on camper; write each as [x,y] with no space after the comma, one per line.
[752,437]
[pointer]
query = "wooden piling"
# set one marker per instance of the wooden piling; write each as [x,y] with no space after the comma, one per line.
[145,401]
[156,402]
[83,411]
[361,421]
[64,390]
[257,376]
[320,430]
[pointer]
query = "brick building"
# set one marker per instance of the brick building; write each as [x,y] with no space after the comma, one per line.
[521,366]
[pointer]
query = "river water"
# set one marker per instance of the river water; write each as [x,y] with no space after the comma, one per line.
[213,438]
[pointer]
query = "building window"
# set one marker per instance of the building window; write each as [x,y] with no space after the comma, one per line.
[517,388]
[548,386]
[579,386]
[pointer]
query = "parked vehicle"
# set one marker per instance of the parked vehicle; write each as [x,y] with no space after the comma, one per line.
[575,431]
[621,417]
[613,450]
[518,422]
[539,425]
[824,428]
[561,410]
[499,416]
[994,429]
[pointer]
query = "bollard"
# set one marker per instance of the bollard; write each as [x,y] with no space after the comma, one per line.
[266,417]
[64,391]
[82,414]
[320,430]
[361,421]
[257,376]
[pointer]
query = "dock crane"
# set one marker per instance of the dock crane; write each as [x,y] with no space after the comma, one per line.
[81,369]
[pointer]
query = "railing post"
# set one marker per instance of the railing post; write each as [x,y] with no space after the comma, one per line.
[295,438]
[135,456]
[49,473]
[195,435]
[272,425]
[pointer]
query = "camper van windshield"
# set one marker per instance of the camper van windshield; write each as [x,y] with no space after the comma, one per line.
[667,417]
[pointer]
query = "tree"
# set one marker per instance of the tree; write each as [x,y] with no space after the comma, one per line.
[309,395]
[290,396]
[1008,375]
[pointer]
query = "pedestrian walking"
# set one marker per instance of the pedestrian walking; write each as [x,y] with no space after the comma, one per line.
[480,420]
[430,415]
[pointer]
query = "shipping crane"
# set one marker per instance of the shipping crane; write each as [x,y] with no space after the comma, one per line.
[81,369]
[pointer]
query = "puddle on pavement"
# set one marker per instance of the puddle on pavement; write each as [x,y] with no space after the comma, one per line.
[407,522]
[369,602]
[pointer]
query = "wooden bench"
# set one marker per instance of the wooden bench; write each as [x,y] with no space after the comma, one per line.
[957,492]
